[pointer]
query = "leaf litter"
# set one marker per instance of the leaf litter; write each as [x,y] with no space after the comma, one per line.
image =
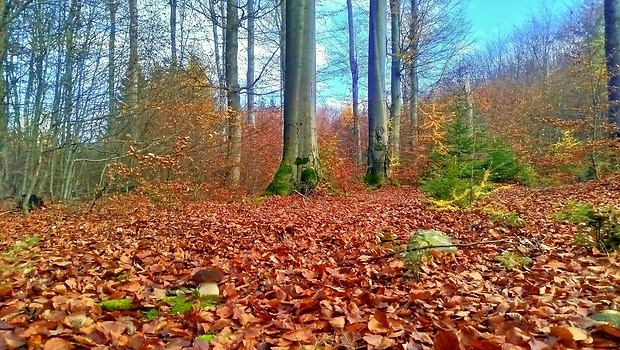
[301,272]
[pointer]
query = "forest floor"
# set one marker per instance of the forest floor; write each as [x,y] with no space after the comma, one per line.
[305,272]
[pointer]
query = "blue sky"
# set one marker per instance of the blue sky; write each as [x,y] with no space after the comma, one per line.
[490,18]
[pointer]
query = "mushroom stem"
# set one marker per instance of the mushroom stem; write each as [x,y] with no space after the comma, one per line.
[208,288]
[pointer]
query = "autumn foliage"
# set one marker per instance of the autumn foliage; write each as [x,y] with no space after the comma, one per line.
[306,272]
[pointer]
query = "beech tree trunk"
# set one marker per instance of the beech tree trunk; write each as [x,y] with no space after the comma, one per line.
[232,92]
[133,71]
[612,53]
[250,73]
[395,80]
[4,116]
[413,72]
[173,32]
[112,6]
[378,162]
[282,50]
[299,169]
[354,86]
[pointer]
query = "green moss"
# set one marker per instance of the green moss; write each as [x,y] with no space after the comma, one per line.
[379,146]
[511,260]
[180,304]
[508,219]
[374,180]
[206,337]
[281,183]
[416,254]
[151,314]
[302,161]
[16,252]
[309,178]
[116,304]
[207,301]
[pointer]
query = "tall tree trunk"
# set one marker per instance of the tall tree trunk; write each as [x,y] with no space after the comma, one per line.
[282,51]
[8,13]
[112,6]
[299,168]
[395,90]
[133,71]
[173,31]
[33,143]
[250,73]
[232,92]
[216,40]
[413,72]
[612,52]
[354,87]
[378,163]
[4,115]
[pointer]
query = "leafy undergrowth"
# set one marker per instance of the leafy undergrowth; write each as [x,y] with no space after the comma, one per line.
[303,273]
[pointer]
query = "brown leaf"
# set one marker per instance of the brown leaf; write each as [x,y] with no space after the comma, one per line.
[517,336]
[565,336]
[373,339]
[446,340]
[297,335]
[57,344]
[337,322]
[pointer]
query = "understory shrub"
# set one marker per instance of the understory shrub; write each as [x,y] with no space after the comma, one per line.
[599,227]
[466,164]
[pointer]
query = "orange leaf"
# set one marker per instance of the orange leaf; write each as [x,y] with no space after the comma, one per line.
[57,344]
[297,335]
[337,322]
[373,339]
[446,340]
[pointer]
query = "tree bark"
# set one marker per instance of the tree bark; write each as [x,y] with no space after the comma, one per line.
[251,118]
[378,162]
[612,53]
[173,32]
[413,72]
[112,6]
[34,145]
[232,92]
[8,13]
[133,71]
[282,51]
[299,170]
[354,87]
[395,80]
[4,116]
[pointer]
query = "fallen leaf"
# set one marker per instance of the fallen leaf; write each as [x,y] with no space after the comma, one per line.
[57,344]
[446,340]
[337,322]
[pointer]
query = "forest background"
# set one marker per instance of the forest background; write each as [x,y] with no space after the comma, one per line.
[111,97]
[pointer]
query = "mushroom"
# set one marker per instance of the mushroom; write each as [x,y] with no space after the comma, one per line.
[207,280]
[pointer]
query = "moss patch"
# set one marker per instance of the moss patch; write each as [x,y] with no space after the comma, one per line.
[206,337]
[309,179]
[302,161]
[150,314]
[179,304]
[281,183]
[116,304]
[374,180]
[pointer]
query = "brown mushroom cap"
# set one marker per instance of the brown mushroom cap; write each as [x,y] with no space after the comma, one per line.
[207,275]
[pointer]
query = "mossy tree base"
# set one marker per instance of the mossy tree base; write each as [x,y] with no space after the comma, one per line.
[282,183]
[286,182]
